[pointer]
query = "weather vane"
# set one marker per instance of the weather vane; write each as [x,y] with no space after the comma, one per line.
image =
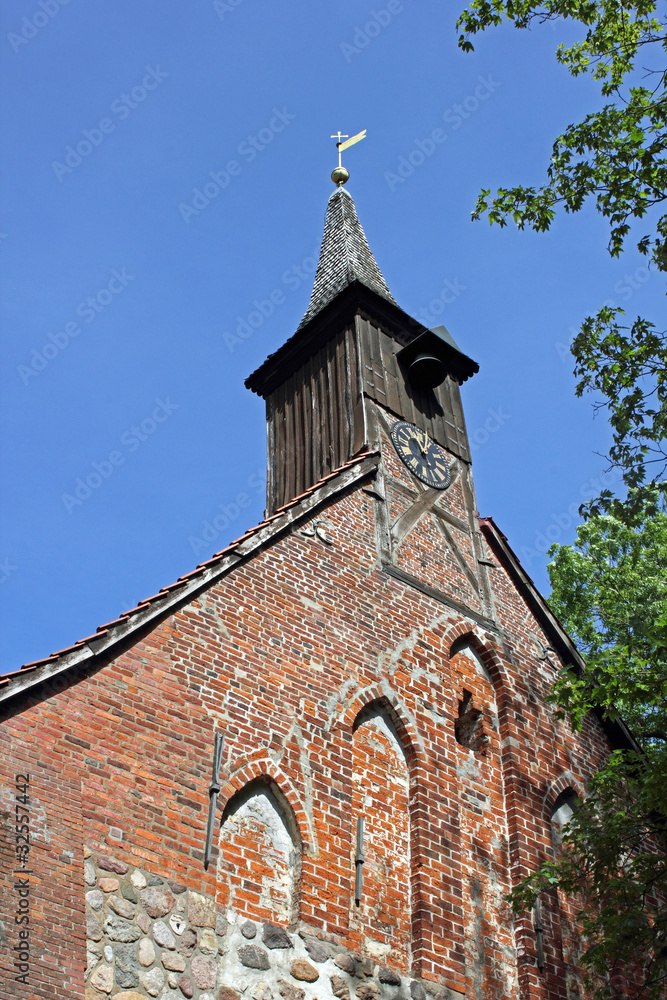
[340,175]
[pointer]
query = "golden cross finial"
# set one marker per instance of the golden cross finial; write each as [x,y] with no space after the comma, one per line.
[340,175]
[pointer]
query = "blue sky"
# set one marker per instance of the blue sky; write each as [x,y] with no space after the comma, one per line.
[125,292]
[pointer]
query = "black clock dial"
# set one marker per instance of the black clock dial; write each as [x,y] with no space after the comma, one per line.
[424,458]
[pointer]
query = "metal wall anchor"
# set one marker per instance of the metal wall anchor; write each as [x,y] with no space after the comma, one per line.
[213,796]
[318,530]
[359,863]
[539,934]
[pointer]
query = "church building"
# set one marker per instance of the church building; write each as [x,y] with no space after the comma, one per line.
[314,766]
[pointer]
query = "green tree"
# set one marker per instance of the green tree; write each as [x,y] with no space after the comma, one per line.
[610,590]
[616,158]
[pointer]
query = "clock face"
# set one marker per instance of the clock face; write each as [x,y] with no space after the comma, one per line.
[424,458]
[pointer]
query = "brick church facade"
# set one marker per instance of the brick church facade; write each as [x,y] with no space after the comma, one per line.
[376,660]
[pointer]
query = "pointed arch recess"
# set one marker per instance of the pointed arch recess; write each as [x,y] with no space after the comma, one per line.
[506,768]
[382,696]
[564,781]
[383,786]
[405,728]
[488,652]
[260,766]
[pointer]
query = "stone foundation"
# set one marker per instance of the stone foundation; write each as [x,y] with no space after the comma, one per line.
[150,937]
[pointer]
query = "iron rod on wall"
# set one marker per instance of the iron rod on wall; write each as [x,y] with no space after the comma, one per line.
[539,934]
[359,862]
[213,796]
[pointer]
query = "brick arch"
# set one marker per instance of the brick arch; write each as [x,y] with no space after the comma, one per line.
[260,766]
[487,653]
[417,760]
[383,792]
[515,858]
[397,712]
[564,781]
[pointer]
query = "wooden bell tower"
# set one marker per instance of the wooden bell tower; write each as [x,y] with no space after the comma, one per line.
[354,349]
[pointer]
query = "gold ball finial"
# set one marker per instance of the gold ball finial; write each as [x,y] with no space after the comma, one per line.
[340,176]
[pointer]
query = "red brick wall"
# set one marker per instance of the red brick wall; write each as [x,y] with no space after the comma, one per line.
[281,657]
[260,856]
[380,796]
[37,745]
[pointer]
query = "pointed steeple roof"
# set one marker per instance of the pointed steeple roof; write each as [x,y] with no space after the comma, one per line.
[345,256]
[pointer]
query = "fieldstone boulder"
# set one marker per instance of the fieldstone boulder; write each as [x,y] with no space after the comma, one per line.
[367,991]
[128,891]
[275,937]
[127,966]
[177,923]
[201,910]
[248,930]
[121,907]
[226,993]
[339,988]
[208,942]
[417,992]
[138,879]
[163,935]
[204,971]
[389,977]
[102,979]
[157,901]
[118,929]
[173,961]
[91,959]
[303,970]
[346,963]
[153,981]
[146,952]
[126,979]
[109,884]
[95,898]
[186,986]
[111,865]
[253,957]
[317,951]
[262,991]
[290,992]
[188,942]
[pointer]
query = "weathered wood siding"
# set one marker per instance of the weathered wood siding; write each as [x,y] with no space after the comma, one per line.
[437,411]
[315,420]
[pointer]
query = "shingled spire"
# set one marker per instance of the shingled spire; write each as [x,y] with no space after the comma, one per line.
[345,256]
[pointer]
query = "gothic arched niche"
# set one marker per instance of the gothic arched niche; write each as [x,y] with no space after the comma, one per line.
[380,796]
[260,854]
[562,931]
[562,812]
[476,696]
[482,821]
